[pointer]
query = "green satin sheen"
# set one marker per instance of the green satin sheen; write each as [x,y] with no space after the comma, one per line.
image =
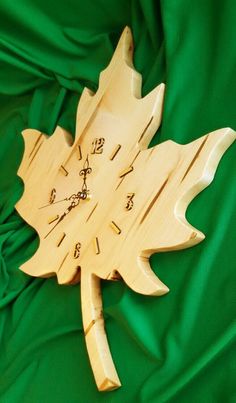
[177,348]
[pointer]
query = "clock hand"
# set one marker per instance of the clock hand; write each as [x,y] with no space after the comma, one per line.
[79,195]
[71,206]
[84,172]
[74,198]
[60,219]
[51,204]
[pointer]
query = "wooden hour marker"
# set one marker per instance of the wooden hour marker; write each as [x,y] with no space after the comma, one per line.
[61,239]
[115,152]
[79,153]
[63,170]
[52,219]
[126,171]
[115,227]
[96,246]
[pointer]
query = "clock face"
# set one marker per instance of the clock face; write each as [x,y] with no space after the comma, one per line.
[85,207]
[92,205]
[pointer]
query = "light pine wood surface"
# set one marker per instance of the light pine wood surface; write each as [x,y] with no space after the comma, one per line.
[103,204]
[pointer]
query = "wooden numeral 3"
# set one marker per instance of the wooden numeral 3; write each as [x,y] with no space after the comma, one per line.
[130,202]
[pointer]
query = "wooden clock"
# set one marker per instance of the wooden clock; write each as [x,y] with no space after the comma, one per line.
[104,203]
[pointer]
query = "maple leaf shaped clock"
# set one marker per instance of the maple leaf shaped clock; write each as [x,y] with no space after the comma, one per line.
[104,203]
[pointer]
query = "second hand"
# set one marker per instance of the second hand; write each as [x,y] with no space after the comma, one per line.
[51,204]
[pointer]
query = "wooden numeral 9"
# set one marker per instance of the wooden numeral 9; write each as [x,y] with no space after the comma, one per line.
[52,196]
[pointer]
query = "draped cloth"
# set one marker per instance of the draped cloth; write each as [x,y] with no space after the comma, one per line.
[176,348]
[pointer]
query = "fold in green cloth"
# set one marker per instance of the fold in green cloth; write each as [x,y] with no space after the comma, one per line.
[177,348]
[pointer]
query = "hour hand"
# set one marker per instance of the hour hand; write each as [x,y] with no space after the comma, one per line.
[75,198]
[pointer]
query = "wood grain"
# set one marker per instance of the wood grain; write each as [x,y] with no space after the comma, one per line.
[98,236]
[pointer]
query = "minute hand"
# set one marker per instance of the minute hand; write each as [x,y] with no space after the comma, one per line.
[84,172]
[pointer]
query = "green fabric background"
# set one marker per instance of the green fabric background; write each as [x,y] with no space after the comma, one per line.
[177,348]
